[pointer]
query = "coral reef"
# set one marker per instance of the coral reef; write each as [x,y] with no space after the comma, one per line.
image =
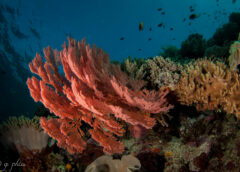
[162,72]
[134,68]
[209,85]
[104,108]
[157,72]
[177,154]
[94,92]
[202,84]
[206,142]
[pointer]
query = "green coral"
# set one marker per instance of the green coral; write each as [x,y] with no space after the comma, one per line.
[194,46]
[170,51]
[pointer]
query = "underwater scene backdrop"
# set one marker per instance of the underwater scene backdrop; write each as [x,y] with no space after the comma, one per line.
[116,86]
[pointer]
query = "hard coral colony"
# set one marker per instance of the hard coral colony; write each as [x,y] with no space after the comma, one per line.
[93,91]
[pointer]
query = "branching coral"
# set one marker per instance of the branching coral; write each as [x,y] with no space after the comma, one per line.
[94,91]
[203,83]
[158,72]
[162,72]
[209,86]
[134,67]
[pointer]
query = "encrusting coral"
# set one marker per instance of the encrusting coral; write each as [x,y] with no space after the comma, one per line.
[93,91]
[108,164]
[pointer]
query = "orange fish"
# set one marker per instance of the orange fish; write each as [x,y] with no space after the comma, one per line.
[168,154]
[68,167]
[168,89]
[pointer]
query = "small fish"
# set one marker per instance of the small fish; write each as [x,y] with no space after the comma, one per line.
[139,49]
[160,24]
[140,26]
[150,29]
[68,167]
[184,19]
[234,1]
[171,28]
[191,9]
[193,16]
[159,9]
[149,39]
[174,39]
[122,38]
[163,13]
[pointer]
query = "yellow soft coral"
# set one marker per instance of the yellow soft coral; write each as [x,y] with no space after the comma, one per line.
[202,83]
[209,85]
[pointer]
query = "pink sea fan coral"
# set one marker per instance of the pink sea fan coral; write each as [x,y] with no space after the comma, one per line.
[94,91]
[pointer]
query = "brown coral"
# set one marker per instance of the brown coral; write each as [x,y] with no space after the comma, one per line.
[209,85]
